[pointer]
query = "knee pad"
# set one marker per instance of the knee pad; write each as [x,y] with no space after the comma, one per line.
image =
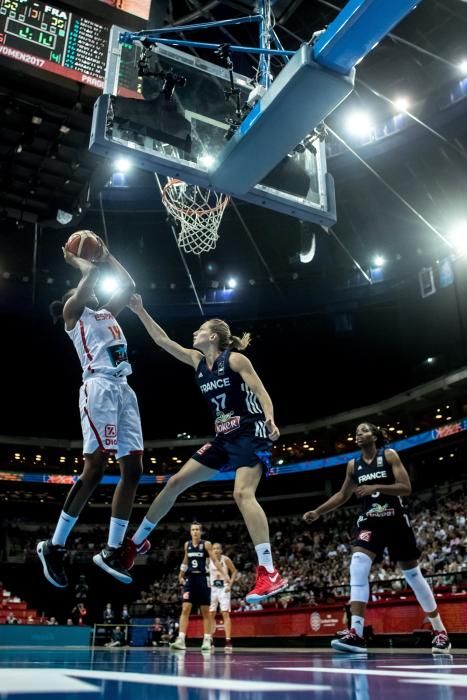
[360,566]
[421,588]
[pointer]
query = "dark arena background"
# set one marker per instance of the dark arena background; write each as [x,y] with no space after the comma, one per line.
[362,320]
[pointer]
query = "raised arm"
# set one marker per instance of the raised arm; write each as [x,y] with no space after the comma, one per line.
[338,499]
[126,285]
[401,486]
[75,304]
[160,337]
[241,364]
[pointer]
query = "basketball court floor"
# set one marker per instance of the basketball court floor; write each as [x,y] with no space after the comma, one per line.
[259,674]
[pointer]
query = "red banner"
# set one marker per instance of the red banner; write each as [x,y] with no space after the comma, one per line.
[398,617]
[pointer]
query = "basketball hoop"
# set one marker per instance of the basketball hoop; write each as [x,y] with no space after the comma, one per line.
[198,213]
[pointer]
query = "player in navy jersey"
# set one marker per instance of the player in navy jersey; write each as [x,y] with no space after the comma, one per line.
[379,479]
[109,412]
[193,577]
[244,424]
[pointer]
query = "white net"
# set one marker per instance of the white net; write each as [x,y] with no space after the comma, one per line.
[198,213]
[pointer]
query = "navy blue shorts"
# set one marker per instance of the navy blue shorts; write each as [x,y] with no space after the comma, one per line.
[196,590]
[397,536]
[244,451]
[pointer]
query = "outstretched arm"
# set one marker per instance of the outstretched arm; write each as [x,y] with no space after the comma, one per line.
[160,337]
[241,364]
[337,500]
[85,289]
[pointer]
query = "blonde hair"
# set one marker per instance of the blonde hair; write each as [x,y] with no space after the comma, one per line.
[226,339]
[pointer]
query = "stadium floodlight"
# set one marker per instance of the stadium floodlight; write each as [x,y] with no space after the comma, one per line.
[359,123]
[122,165]
[108,284]
[402,104]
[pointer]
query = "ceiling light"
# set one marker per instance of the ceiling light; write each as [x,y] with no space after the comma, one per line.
[207,160]
[64,217]
[379,261]
[401,104]
[359,123]
[232,283]
[463,66]
[458,237]
[122,165]
[108,284]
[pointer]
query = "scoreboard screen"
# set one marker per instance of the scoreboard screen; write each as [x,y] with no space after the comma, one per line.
[54,40]
[140,8]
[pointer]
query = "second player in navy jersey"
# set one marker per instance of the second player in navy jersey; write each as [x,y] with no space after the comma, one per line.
[379,479]
[244,431]
[193,578]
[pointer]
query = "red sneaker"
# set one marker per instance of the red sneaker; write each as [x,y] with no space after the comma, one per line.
[267,584]
[130,551]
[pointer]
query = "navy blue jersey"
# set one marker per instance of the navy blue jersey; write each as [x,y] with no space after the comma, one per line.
[235,407]
[379,507]
[197,557]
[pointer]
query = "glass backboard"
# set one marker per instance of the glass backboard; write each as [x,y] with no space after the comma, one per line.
[173,114]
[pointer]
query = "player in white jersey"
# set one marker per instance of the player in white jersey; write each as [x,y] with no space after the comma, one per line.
[109,412]
[221,590]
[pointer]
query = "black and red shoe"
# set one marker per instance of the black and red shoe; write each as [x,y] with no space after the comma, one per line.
[349,641]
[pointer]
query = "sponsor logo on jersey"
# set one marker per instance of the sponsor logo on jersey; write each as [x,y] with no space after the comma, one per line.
[215,384]
[373,475]
[364,535]
[196,554]
[226,422]
[380,510]
[103,316]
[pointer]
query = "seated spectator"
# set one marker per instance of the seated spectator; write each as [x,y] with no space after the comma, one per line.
[117,638]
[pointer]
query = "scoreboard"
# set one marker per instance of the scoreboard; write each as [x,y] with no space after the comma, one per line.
[54,40]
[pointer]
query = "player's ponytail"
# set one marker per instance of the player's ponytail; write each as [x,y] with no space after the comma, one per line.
[240,343]
[380,434]
[56,307]
[226,339]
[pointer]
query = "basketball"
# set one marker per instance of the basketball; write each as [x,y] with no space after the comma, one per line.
[84,244]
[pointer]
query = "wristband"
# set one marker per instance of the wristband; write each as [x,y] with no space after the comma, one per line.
[184,568]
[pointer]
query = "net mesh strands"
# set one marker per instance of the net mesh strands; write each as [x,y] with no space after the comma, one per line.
[198,213]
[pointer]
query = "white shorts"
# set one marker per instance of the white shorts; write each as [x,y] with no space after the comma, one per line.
[110,418]
[219,597]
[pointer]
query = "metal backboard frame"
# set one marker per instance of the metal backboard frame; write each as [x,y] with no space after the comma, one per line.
[316,205]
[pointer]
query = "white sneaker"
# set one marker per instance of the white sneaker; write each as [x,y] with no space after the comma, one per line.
[178,644]
[206,645]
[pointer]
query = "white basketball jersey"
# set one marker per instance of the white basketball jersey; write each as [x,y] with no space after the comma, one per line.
[100,344]
[214,573]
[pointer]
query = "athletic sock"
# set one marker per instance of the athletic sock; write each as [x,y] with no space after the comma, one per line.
[117,530]
[143,531]
[357,624]
[63,528]
[182,635]
[263,552]
[437,623]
